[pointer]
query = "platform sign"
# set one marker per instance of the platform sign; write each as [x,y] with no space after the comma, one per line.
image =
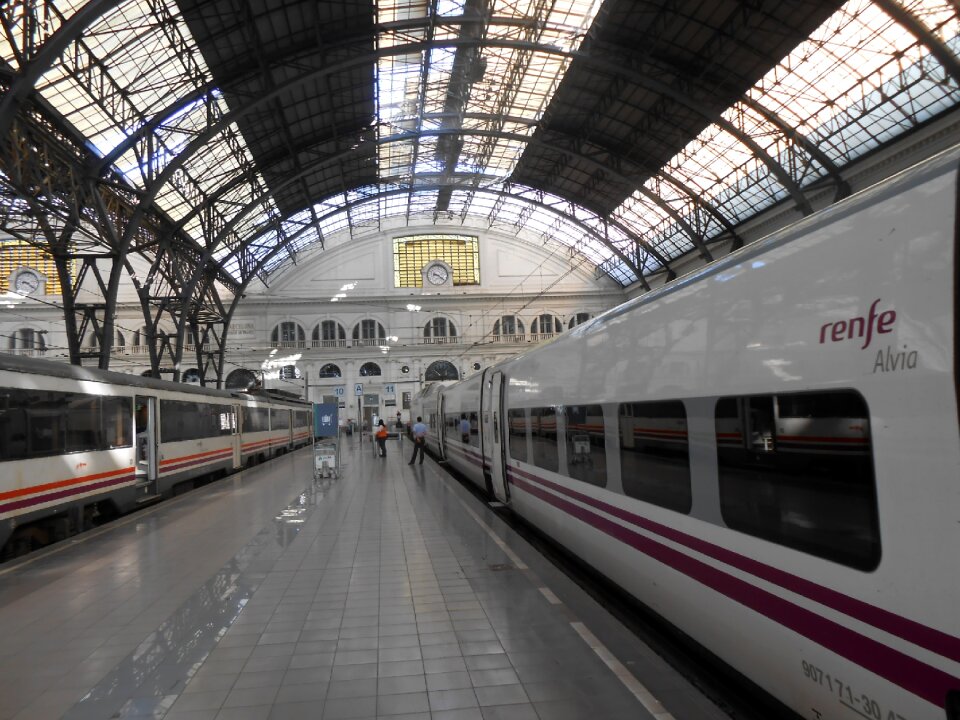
[389,389]
[339,391]
[358,389]
[371,399]
[325,420]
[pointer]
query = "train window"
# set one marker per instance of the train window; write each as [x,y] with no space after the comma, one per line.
[586,444]
[474,418]
[797,469]
[462,427]
[255,419]
[654,453]
[38,423]
[279,419]
[117,416]
[183,420]
[543,429]
[517,427]
[83,423]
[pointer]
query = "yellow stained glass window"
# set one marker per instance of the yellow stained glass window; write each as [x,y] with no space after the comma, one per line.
[413,252]
[15,254]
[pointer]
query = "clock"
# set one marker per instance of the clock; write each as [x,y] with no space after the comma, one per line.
[27,282]
[437,273]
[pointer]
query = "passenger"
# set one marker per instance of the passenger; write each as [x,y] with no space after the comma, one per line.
[381,436]
[464,429]
[419,440]
[399,422]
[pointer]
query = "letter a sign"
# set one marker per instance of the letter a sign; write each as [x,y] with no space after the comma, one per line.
[358,389]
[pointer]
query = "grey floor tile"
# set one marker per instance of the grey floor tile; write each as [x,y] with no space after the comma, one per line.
[401,684]
[206,700]
[261,712]
[354,672]
[350,708]
[453,699]
[487,662]
[444,665]
[501,695]
[307,675]
[296,711]
[458,714]
[396,654]
[301,693]
[361,687]
[309,661]
[402,704]
[512,712]
[250,697]
[403,667]
[268,678]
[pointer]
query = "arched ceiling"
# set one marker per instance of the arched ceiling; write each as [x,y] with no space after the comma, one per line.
[240,133]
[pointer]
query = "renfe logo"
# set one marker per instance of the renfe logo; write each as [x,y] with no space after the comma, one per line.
[859,327]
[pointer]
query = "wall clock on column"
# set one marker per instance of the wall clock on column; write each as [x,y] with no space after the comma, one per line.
[27,282]
[436,273]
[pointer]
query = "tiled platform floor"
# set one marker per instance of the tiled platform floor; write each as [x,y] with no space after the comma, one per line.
[389,593]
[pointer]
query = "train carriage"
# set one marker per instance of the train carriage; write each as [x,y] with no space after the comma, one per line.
[78,445]
[766,452]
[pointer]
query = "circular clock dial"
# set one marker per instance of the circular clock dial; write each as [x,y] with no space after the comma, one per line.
[437,274]
[27,282]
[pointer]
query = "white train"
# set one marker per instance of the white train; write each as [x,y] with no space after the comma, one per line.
[78,445]
[766,452]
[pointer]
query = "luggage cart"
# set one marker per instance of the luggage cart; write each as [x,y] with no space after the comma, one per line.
[326,441]
[326,458]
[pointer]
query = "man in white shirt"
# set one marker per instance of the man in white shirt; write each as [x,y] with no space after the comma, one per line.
[419,440]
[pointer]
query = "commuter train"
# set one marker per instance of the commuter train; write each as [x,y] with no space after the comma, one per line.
[79,445]
[766,452]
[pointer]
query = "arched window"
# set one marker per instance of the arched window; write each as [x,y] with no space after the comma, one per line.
[27,341]
[191,377]
[545,326]
[288,334]
[578,319]
[509,328]
[329,333]
[242,379]
[441,370]
[370,369]
[330,371]
[93,342]
[368,332]
[440,330]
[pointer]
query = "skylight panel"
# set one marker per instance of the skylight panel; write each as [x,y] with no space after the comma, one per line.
[474,87]
[859,81]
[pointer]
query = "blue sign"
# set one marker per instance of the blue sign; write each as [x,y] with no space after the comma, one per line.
[325,420]
[338,391]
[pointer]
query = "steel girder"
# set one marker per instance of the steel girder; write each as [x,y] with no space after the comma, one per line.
[53,203]
[73,29]
[776,169]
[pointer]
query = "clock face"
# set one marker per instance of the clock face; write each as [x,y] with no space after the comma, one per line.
[27,282]
[437,274]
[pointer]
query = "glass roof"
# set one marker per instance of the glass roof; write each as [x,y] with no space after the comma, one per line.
[458,95]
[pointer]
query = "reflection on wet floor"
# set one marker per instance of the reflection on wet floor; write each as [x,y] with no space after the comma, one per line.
[291,519]
[152,677]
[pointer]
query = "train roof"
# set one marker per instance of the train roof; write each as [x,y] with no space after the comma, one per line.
[38,366]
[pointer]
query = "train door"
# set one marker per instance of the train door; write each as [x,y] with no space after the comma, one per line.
[147,434]
[498,455]
[235,438]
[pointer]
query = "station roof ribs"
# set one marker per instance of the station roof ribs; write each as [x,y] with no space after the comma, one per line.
[652,76]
